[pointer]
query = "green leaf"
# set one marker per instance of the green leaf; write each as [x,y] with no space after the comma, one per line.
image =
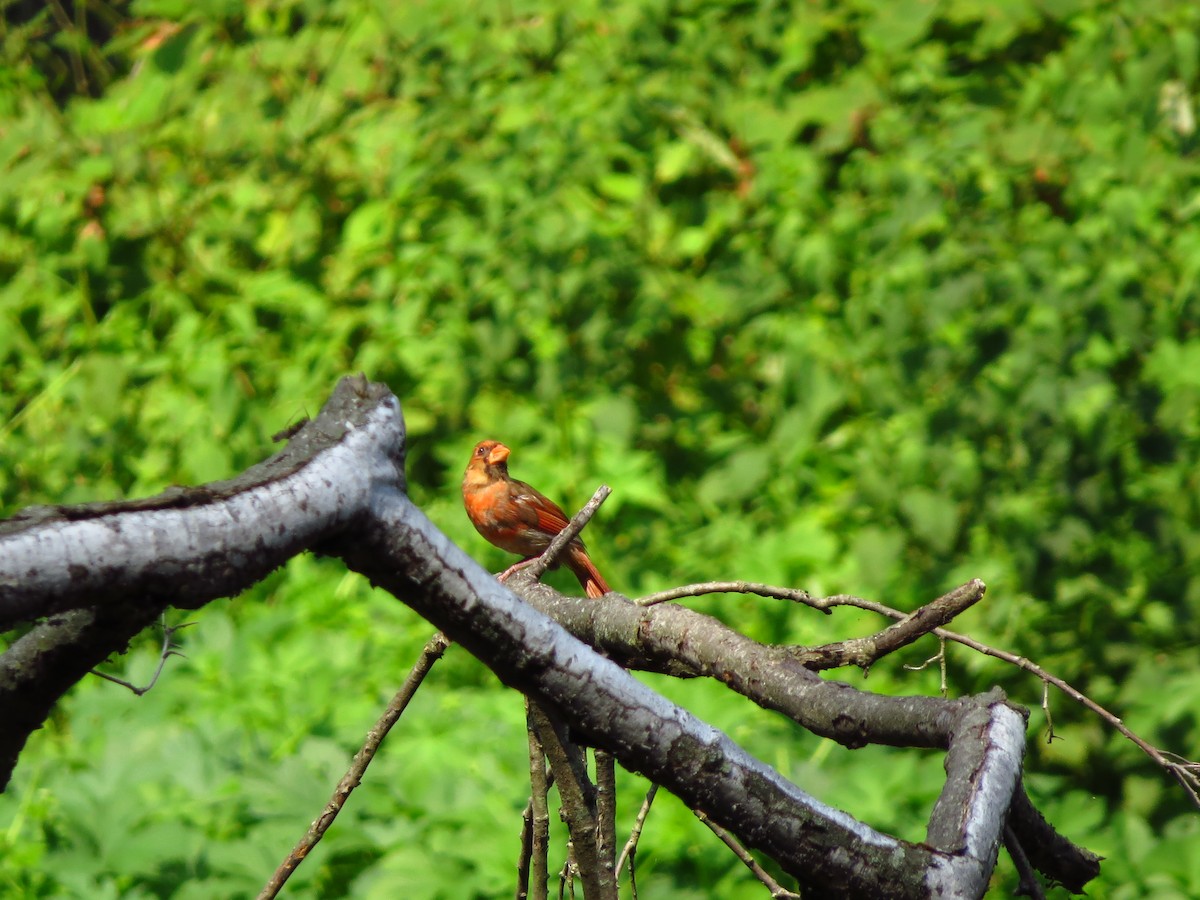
[624,188]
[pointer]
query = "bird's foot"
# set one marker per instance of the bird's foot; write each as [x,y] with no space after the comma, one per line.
[515,567]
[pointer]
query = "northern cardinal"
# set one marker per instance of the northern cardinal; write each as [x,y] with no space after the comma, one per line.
[516,518]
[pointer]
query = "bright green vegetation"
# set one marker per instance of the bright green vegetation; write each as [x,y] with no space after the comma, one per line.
[867,297]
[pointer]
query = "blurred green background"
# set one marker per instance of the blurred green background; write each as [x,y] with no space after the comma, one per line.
[870,297]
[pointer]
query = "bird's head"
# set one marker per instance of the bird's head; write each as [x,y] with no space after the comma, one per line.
[489,456]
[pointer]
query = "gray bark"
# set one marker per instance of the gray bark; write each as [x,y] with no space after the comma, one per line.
[91,576]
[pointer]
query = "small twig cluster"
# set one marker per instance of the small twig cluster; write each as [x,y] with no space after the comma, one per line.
[169,649]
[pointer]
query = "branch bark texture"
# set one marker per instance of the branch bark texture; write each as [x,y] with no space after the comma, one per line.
[96,574]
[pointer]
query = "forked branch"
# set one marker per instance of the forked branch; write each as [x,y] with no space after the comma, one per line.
[102,572]
[928,620]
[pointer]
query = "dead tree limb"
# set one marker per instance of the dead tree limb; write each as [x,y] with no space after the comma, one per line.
[99,573]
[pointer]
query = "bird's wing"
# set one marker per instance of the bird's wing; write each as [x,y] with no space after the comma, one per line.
[537,510]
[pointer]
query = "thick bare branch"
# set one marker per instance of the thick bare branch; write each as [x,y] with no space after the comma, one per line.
[99,573]
[1048,851]
[186,546]
[341,490]
[606,814]
[677,640]
[646,733]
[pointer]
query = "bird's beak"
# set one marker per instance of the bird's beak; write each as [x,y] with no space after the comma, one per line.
[498,455]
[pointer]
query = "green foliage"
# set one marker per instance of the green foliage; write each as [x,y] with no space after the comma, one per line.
[869,297]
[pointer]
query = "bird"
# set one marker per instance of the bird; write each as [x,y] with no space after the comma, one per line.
[518,519]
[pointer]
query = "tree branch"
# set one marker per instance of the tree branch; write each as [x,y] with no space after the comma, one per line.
[629,851]
[702,766]
[777,890]
[339,489]
[535,836]
[568,763]
[1185,771]
[862,652]
[358,766]
[550,555]
[606,815]
[99,573]
[186,546]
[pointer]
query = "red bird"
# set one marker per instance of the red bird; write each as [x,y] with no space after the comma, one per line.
[518,519]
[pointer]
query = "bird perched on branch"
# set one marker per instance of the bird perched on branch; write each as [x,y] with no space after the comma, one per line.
[517,518]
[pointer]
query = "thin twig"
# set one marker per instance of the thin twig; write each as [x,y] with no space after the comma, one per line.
[736,587]
[531,840]
[777,890]
[940,659]
[169,649]
[1029,885]
[551,554]
[523,861]
[566,875]
[606,812]
[535,873]
[942,666]
[1050,735]
[908,667]
[1184,774]
[630,848]
[431,654]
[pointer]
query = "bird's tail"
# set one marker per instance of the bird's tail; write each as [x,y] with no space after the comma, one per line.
[585,570]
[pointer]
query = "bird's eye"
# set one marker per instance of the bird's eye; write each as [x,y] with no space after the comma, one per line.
[481,451]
